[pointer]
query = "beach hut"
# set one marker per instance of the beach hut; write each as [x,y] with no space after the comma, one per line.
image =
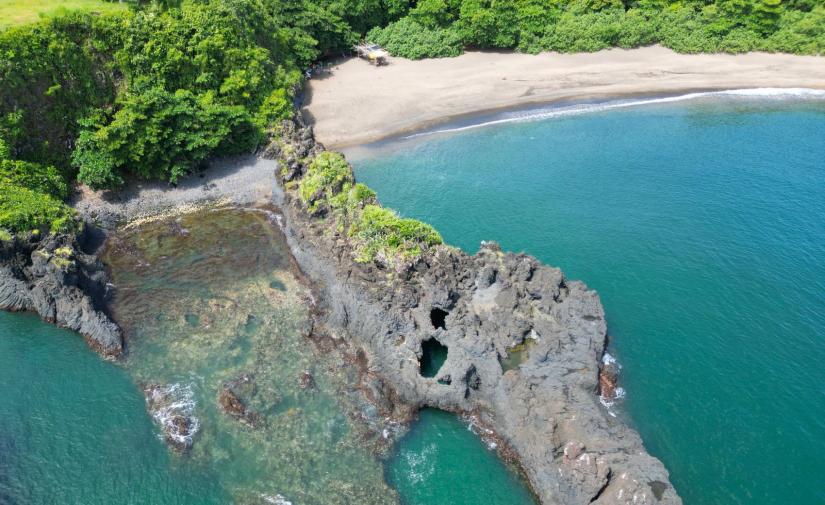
[373,53]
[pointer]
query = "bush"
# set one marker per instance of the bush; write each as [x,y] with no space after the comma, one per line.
[39,178]
[382,235]
[52,73]
[408,39]
[22,209]
[159,135]
[325,178]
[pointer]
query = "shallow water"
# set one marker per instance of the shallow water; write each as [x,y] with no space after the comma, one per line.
[209,300]
[206,300]
[439,462]
[702,225]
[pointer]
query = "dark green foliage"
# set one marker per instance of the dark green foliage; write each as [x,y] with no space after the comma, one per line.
[51,73]
[590,25]
[156,134]
[412,40]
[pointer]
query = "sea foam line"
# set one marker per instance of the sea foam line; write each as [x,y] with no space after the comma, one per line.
[579,109]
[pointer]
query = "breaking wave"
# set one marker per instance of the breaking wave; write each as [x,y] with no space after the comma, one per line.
[168,404]
[537,114]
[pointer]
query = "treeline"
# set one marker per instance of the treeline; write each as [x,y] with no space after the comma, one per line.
[436,28]
[154,91]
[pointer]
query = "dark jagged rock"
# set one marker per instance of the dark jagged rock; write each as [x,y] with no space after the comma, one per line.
[547,410]
[54,278]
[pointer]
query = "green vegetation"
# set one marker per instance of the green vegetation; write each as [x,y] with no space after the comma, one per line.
[328,187]
[436,28]
[153,89]
[383,235]
[16,12]
[410,39]
[324,180]
[23,209]
[36,177]
[31,198]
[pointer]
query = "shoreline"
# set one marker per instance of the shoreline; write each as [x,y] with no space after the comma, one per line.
[239,180]
[357,104]
[491,301]
[563,107]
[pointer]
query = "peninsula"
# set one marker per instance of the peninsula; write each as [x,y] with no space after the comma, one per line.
[112,117]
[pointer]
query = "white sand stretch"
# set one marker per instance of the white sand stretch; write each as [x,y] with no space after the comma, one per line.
[358,103]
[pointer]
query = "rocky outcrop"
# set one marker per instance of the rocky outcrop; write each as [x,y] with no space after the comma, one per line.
[482,308]
[54,278]
[172,406]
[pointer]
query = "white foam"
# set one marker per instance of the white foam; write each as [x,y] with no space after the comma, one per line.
[575,110]
[608,359]
[174,400]
[276,500]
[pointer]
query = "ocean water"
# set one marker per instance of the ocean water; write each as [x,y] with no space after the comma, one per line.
[210,300]
[701,223]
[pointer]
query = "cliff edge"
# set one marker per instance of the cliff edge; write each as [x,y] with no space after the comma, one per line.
[52,277]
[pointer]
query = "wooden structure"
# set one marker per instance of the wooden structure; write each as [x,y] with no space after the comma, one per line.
[373,53]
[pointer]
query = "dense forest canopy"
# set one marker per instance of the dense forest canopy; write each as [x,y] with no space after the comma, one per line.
[445,27]
[155,90]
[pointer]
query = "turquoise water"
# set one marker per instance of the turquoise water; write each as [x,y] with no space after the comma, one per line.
[205,300]
[73,429]
[439,462]
[702,226]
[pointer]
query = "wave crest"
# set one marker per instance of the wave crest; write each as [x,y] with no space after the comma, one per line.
[579,109]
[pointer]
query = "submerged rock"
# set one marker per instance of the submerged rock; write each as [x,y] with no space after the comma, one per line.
[546,410]
[54,278]
[231,402]
[306,380]
[172,406]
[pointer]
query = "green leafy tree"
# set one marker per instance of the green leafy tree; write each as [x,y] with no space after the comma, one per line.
[156,134]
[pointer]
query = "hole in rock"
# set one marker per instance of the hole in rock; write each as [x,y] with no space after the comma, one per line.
[433,356]
[438,316]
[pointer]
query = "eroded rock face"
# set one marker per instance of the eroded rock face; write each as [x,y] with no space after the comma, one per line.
[52,277]
[546,409]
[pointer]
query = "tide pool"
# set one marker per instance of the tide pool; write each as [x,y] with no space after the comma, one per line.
[209,301]
[701,223]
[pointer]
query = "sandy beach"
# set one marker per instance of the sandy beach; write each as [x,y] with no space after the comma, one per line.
[355,103]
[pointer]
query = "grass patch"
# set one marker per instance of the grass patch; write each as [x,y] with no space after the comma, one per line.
[19,12]
[382,234]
